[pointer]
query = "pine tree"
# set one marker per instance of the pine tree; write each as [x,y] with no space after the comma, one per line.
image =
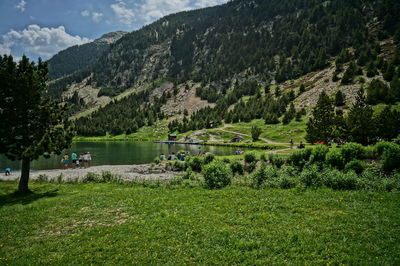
[339,98]
[31,125]
[360,126]
[321,125]
[388,124]
[255,132]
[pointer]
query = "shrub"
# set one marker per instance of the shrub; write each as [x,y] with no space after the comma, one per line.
[249,167]
[319,153]
[209,158]
[217,175]
[335,158]
[262,174]
[107,177]
[91,178]
[392,184]
[263,158]
[195,163]
[351,151]
[179,166]
[286,182]
[189,174]
[381,146]
[341,181]
[249,157]
[43,178]
[300,157]
[237,168]
[391,158]
[288,170]
[277,160]
[355,165]
[157,160]
[226,160]
[311,177]
[369,152]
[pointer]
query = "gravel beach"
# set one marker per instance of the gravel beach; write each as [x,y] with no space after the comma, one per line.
[127,172]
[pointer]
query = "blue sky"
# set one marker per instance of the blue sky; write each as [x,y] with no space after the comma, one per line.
[41,28]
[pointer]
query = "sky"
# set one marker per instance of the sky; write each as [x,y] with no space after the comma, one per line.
[42,28]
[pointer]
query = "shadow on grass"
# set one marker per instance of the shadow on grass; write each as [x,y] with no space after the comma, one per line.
[18,198]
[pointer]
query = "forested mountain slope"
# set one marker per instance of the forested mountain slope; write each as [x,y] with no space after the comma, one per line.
[241,49]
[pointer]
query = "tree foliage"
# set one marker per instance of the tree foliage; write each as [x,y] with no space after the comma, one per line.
[31,124]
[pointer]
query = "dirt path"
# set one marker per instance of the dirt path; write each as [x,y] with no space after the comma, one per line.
[127,172]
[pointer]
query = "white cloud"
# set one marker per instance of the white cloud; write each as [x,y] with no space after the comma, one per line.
[95,16]
[151,10]
[85,13]
[21,6]
[37,41]
[125,15]
[207,3]
[147,11]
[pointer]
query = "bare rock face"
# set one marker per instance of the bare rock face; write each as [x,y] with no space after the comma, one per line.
[186,99]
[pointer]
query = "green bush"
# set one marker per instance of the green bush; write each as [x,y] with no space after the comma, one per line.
[311,177]
[91,178]
[369,152]
[355,165]
[299,157]
[189,174]
[157,160]
[381,146]
[277,160]
[250,157]
[108,177]
[335,158]
[391,158]
[287,170]
[392,183]
[262,174]
[351,151]
[237,168]
[196,163]
[338,180]
[179,166]
[250,167]
[226,160]
[217,175]
[286,182]
[209,158]
[319,153]
[263,158]
[43,178]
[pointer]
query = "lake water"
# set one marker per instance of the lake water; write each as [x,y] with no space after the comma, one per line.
[118,153]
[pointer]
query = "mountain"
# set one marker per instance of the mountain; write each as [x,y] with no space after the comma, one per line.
[220,54]
[80,57]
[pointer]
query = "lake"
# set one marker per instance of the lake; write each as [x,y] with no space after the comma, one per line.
[118,153]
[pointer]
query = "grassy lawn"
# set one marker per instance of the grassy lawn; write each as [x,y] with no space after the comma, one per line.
[132,224]
[277,133]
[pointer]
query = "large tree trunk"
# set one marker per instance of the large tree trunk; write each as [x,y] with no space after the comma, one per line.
[23,182]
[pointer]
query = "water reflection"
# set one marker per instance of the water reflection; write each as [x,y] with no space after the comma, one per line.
[118,153]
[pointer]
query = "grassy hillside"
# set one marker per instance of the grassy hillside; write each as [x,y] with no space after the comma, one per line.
[120,224]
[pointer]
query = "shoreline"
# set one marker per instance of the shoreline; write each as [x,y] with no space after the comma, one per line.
[127,172]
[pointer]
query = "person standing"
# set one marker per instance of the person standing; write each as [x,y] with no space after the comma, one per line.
[73,158]
[291,144]
[65,160]
[89,158]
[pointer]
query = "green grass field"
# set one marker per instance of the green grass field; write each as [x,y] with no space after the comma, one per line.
[277,133]
[130,224]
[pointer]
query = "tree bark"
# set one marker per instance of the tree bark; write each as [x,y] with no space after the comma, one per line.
[23,182]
